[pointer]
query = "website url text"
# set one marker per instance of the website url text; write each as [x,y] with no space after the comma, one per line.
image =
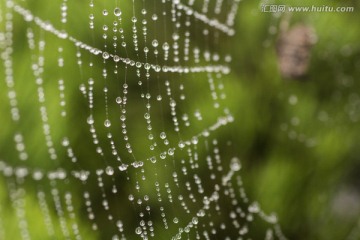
[273,8]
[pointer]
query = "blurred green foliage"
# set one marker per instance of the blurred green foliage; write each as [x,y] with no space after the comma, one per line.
[299,160]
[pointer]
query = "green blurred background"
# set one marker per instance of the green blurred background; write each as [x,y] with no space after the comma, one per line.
[298,140]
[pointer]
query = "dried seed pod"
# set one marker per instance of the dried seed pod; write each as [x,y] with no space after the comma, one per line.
[294,51]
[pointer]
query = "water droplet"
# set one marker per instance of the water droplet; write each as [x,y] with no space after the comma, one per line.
[201,213]
[131,197]
[105,55]
[37,175]
[119,224]
[118,100]
[116,58]
[83,176]
[107,123]
[172,103]
[293,99]
[175,36]
[181,144]
[147,66]
[123,167]
[155,43]
[105,12]
[235,164]
[153,159]
[165,46]
[138,230]
[194,140]
[254,207]
[90,120]
[65,142]
[162,135]
[117,12]
[109,171]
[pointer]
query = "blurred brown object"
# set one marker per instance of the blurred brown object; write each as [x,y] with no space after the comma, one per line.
[294,50]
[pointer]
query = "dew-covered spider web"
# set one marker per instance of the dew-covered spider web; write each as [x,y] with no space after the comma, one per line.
[110,120]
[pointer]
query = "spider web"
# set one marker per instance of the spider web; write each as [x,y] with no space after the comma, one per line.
[112,114]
